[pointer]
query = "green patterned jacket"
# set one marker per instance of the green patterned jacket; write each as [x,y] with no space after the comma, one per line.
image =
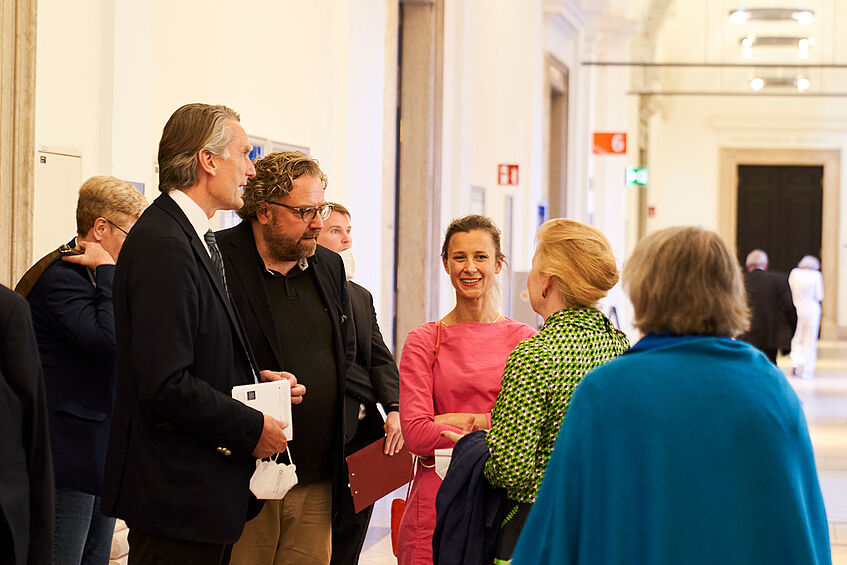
[538,381]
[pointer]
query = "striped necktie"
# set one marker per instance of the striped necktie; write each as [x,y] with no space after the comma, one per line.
[217,258]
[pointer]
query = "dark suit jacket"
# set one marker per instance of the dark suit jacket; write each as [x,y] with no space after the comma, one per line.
[26,471]
[373,377]
[75,327]
[772,314]
[247,287]
[180,352]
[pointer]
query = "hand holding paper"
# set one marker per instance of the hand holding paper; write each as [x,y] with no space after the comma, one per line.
[297,391]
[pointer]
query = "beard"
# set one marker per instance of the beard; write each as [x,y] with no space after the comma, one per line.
[282,248]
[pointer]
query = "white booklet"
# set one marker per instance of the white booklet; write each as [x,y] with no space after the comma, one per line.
[272,398]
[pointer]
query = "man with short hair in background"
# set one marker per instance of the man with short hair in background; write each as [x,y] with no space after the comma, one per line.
[181,449]
[292,296]
[772,313]
[73,316]
[372,378]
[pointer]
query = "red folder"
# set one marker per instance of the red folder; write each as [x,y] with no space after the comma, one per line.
[373,474]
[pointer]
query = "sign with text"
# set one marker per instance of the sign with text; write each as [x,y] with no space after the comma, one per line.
[507,174]
[636,176]
[613,143]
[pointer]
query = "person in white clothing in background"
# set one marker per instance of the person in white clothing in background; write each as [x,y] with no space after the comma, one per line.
[806,285]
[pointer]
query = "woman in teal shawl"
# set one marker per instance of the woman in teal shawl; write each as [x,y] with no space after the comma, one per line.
[689,448]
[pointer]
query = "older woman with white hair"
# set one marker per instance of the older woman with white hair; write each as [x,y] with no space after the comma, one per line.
[806,285]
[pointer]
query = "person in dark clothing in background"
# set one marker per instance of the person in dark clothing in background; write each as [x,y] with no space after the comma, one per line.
[26,468]
[372,378]
[772,314]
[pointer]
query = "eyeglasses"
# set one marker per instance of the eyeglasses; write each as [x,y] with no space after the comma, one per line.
[307,214]
[114,225]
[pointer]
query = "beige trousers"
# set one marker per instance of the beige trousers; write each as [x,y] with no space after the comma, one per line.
[296,530]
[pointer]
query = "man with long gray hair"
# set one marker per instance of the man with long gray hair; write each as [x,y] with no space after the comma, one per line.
[181,450]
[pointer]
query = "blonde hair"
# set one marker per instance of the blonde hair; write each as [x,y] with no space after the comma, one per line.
[579,258]
[340,208]
[275,175]
[110,198]
[685,280]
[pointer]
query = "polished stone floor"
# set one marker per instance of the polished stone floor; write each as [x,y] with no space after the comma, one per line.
[825,404]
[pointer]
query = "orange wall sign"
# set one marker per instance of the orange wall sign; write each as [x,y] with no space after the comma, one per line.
[613,143]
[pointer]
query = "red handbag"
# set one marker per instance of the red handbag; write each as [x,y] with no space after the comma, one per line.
[398,507]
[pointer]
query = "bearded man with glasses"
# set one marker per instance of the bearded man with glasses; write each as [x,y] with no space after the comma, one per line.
[292,296]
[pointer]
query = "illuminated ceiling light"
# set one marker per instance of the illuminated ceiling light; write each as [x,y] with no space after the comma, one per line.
[757,83]
[804,17]
[747,53]
[745,15]
[739,16]
[803,53]
[751,40]
[802,84]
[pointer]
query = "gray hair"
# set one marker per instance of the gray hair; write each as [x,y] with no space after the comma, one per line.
[756,259]
[809,262]
[189,130]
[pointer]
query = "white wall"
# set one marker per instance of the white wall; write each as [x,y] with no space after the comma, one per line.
[314,74]
[110,73]
[68,96]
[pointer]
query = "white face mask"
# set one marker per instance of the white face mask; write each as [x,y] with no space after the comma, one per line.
[349,262]
[272,480]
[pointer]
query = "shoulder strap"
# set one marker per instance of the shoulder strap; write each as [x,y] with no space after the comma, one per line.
[24,286]
[439,324]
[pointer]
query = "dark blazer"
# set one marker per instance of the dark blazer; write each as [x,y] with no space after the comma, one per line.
[772,314]
[179,460]
[373,377]
[247,287]
[26,471]
[75,327]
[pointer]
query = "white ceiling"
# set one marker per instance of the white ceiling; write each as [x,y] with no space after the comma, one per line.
[699,32]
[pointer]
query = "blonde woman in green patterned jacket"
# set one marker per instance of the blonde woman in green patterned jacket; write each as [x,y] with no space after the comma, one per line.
[572,269]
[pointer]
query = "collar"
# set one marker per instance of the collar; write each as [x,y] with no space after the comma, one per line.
[656,341]
[302,263]
[585,317]
[195,214]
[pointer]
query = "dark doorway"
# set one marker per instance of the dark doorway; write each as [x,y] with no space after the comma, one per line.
[779,211]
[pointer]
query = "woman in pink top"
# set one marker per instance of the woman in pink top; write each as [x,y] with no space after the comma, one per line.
[450,370]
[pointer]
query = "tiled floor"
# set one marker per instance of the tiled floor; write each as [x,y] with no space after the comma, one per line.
[825,404]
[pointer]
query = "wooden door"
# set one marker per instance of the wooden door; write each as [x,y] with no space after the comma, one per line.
[779,211]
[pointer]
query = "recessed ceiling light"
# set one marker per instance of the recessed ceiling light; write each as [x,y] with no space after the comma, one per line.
[739,16]
[757,83]
[804,16]
[747,53]
[802,84]
[745,15]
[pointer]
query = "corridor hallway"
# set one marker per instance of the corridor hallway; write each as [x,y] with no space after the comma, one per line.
[824,401]
[825,405]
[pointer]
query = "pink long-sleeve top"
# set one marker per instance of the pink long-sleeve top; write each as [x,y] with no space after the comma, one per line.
[464,378]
